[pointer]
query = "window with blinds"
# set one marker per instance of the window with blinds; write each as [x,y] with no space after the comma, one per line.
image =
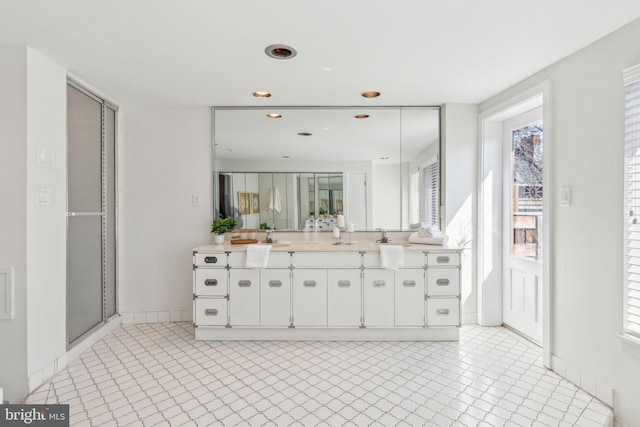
[632,202]
[414,198]
[431,189]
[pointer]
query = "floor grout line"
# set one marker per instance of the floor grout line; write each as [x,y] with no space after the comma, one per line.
[158,374]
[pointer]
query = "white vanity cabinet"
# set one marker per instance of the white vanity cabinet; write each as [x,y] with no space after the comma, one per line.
[344,297]
[275,297]
[410,297]
[309,297]
[306,293]
[244,297]
[210,289]
[314,303]
[210,281]
[443,289]
[378,297]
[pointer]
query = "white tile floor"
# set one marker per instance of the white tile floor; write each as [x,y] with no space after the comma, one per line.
[158,375]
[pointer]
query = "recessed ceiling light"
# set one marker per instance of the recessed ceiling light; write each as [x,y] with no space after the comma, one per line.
[371,94]
[384,158]
[274,115]
[261,94]
[280,51]
[305,133]
[361,116]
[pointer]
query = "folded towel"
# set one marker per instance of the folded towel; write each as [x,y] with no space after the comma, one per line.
[429,230]
[391,256]
[257,256]
[416,238]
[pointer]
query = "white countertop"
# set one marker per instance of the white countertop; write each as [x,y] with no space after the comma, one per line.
[325,246]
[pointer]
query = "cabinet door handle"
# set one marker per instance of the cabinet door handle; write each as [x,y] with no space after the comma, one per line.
[309,283]
[211,260]
[275,283]
[344,283]
[378,283]
[211,282]
[442,312]
[244,283]
[442,282]
[443,259]
[211,312]
[409,283]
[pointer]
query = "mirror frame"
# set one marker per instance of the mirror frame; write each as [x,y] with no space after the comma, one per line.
[403,198]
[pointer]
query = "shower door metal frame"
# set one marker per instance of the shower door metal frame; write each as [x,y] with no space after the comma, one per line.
[103,214]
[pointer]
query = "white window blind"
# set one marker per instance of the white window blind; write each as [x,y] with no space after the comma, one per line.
[431,186]
[632,202]
[414,198]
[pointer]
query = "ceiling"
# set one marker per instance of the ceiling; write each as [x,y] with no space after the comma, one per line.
[211,53]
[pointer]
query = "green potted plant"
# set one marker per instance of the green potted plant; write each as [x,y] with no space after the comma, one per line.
[221,226]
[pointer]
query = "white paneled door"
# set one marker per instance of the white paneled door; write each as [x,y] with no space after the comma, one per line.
[523,225]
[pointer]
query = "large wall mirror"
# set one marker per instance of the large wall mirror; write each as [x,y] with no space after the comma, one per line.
[294,167]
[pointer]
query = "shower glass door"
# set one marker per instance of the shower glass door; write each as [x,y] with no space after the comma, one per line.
[91,278]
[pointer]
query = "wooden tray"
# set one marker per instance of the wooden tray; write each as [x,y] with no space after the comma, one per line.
[243,241]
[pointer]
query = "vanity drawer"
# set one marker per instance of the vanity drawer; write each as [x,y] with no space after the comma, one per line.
[327,259]
[210,259]
[210,281]
[443,259]
[276,259]
[443,312]
[210,312]
[443,281]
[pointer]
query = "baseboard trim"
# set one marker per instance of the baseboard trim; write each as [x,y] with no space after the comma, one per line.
[44,374]
[596,388]
[157,316]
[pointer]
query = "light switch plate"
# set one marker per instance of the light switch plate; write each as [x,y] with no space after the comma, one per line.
[43,197]
[565,195]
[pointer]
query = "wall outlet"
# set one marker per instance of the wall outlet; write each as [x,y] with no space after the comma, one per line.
[196,200]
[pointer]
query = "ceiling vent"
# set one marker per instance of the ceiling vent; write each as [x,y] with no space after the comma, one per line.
[280,51]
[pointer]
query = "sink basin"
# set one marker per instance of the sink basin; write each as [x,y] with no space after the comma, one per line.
[404,244]
[277,245]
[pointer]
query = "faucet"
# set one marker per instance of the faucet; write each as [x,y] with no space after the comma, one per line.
[269,238]
[384,238]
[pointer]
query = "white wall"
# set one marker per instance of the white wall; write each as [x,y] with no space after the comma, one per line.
[165,158]
[587,112]
[13,227]
[46,230]
[458,160]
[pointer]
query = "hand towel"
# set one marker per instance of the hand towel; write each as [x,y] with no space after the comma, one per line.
[275,202]
[257,256]
[416,238]
[391,256]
